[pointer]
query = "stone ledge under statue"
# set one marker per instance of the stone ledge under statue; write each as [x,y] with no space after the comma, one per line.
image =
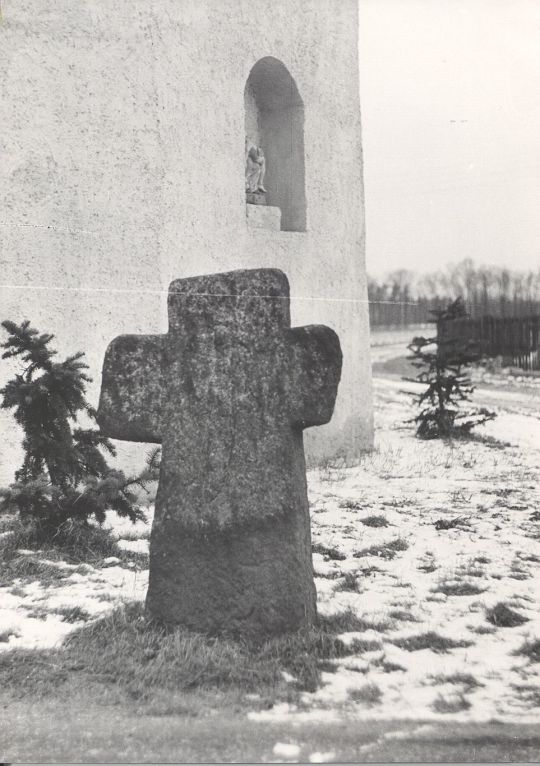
[256,198]
[263,217]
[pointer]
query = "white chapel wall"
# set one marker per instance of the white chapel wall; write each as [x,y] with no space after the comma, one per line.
[122,168]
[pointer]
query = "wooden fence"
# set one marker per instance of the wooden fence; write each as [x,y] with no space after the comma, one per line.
[385,313]
[516,339]
[401,310]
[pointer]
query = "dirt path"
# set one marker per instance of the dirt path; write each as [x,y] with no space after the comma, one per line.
[89,733]
[525,401]
[390,365]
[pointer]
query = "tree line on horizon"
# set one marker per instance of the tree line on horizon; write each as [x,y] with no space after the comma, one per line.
[404,297]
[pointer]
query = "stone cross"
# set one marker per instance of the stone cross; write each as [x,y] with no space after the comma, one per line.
[227,392]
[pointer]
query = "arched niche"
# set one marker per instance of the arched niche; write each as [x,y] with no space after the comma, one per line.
[274,119]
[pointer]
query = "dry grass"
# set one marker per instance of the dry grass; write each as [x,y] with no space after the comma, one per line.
[348,622]
[482,630]
[28,569]
[374,521]
[402,615]
[332,469]
[36,612]
[461,588]
[530,649]
[349,583]
[390,667]
[73,614]
[450,705]
[329,553]
[125,653]
[502,616]
[369,694]
[74,544]
[429,640]
[361,645]
[529,694]
[466,680]
[384,550]
[17,590]
[351,505]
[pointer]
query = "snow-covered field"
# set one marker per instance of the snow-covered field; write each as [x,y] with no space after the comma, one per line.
[420,540]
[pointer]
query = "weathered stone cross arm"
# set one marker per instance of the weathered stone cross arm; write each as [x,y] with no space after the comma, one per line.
[314,374]
[137,387]
[133,388]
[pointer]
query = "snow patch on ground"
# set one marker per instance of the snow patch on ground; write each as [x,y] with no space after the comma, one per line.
[41,616]
[286,750]
[135,546]
[460,536]
[442,584]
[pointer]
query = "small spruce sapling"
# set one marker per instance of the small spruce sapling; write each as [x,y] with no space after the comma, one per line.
[443,364]
[64,475]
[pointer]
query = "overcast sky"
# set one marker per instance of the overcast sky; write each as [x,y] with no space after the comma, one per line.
[450,93]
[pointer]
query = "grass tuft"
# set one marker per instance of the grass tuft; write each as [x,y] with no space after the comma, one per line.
[369,694]
[351,505]
[374,521]
[348,622]
[18,591]
[456,704]
[36,612]
[532,557]
[528,694]
[461,588]
[349,583]
[73,614]
[463,679]
[390,667]
[361,645]
[28,569]
[503,617]
[403,616]
[330,553]
[384,550]
[327,666]
[530,649]
[482,630]
[367,571]
[428,566]
[74,543]
[429,640]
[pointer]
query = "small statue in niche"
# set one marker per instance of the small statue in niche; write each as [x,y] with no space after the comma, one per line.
[255,168]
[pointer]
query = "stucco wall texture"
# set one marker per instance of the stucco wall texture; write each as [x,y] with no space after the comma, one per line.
[122,168]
